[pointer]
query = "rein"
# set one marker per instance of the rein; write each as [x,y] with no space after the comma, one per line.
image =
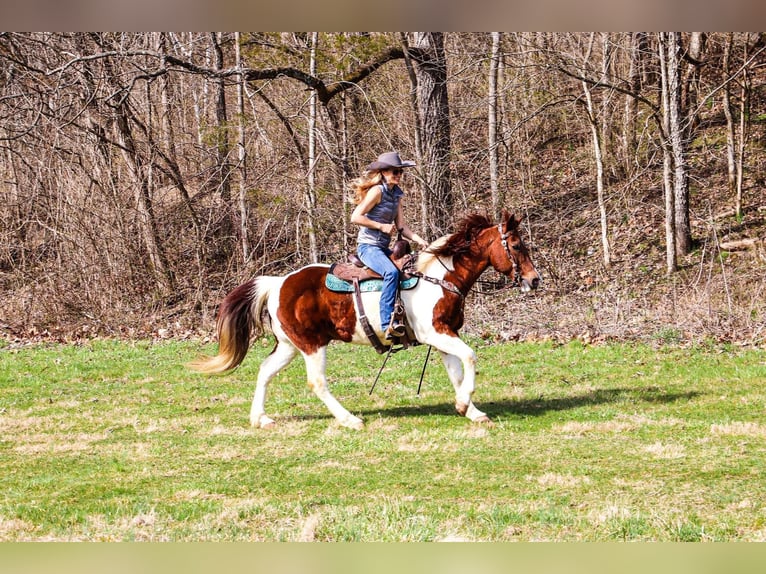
[443,283]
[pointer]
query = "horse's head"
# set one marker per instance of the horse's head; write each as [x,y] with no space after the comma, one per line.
[509,256]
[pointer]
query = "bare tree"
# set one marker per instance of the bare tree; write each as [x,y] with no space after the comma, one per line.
[413,97]
[671,258]
[731,138]
[678,142]
[311,199]
[221,179]
[433,105]
[595,127]
[693,58]
[492,117]
[737,131]
[636,49]
[744,124]
[241,153]
[140,166]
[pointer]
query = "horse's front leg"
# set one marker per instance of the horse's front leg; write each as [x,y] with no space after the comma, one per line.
[454,367]
[460,362]
[315,373]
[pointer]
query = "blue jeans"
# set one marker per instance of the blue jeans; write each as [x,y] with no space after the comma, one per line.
[376,258]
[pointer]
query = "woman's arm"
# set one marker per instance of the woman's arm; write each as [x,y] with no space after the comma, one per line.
[407,233]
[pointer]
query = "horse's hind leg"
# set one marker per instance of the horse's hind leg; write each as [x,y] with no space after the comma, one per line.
[315,373]
[279,358]
[454,366]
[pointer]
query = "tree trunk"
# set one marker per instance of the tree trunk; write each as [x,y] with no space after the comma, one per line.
[678,144]
[597,152]
[667,164]
[731,135]
[433,105]
[310,183]
[196,96]
[424,215]
[221,178]
[169,156]
[345,173]
[146,220]
[744,122]
[691,83]
[168,138]
[139,167]
[606,132]
[494,65]
[631,103]
[241,154]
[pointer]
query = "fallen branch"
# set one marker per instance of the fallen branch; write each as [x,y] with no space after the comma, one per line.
[741,244]
[732,212]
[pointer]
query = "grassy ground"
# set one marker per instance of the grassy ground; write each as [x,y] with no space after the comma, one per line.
[118,441]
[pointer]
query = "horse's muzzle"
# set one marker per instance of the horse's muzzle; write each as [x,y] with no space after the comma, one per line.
[528,285]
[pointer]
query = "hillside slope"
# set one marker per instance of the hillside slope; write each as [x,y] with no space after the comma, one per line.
[718,294]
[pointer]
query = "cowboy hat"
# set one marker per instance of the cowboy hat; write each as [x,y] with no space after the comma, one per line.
[388,160]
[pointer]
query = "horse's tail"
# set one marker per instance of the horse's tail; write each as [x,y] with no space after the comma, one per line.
[239,319]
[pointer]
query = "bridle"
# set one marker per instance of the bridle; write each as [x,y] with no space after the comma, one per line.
[515,260]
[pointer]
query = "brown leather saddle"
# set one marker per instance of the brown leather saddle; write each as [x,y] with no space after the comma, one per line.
[355,269]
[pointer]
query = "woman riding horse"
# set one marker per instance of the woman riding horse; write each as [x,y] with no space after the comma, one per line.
[378,214]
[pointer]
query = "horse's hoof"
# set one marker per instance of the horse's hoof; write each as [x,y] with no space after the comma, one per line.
[485,421]
[263,422]
[461,408]
[353,422]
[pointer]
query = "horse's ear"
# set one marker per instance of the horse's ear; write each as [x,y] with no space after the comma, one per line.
[512,222]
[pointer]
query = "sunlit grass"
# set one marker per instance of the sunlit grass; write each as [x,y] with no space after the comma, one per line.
[119,441]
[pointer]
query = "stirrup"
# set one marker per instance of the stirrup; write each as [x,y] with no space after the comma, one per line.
[394,331]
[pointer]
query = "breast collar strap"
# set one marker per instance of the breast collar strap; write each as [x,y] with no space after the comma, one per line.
[443,283]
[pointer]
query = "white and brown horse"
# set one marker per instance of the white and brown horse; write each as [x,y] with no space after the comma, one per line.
[305,315]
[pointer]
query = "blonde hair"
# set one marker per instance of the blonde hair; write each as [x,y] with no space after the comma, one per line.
[361,185]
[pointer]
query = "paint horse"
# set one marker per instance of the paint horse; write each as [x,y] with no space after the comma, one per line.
[305,315]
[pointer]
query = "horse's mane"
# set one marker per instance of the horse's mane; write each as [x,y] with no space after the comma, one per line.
[458,242]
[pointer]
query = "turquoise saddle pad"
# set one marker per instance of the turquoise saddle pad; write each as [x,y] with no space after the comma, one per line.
[340,286]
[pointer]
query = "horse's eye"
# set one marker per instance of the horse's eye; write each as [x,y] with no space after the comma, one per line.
[516,247]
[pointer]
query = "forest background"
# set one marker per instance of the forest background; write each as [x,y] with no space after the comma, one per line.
[143,175]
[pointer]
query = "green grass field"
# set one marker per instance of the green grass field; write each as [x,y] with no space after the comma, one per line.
[119,441]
